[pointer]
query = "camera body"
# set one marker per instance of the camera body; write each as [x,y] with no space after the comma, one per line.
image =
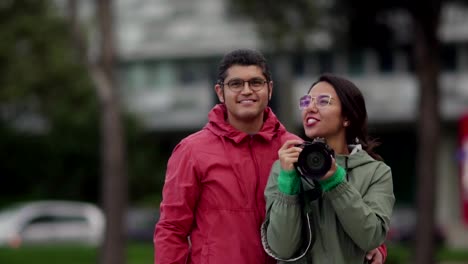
[315,159]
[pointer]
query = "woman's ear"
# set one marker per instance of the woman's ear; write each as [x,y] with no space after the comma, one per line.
[346,123]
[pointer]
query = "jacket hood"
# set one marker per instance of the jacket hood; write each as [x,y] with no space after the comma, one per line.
[218,125]
[357,157]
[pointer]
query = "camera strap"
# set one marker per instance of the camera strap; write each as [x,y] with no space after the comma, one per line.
[306,197]
[314,193]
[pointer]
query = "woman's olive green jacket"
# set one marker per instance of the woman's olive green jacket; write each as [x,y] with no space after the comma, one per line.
[338,227]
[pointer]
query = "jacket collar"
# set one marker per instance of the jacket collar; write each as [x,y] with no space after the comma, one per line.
[217,123]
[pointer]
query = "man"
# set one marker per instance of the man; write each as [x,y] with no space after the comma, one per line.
[213,197]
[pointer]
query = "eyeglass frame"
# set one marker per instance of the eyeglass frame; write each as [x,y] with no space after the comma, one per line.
[240,88]
[314,100]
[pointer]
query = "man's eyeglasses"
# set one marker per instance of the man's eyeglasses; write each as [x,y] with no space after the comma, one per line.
[237,85]
[321,101]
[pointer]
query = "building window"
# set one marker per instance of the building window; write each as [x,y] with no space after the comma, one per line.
[325,62]
[192,72]
[448,58]
[408,51]
[162,75]
[149,75]
[136,76]
[298,64]
[356,63]
[385,58]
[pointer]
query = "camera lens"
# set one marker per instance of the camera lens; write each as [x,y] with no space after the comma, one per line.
[315,160]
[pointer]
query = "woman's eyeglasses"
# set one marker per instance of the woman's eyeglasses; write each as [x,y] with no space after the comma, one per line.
[320,101]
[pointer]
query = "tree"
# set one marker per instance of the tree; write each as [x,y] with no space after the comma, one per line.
[115,186]
[363,25]
[113,161]
[45,100]
[425,20]
[49,121]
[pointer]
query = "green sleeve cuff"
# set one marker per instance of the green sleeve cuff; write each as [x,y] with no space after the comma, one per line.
[288,182]
[337,178]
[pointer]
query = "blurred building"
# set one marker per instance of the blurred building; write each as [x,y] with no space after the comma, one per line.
[169,50]
[169,54]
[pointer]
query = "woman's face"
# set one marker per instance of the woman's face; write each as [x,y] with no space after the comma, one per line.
[321,113]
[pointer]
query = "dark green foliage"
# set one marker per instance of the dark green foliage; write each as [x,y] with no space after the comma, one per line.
[41,75]
[147,166]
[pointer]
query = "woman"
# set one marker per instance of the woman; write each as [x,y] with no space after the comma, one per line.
[346,212]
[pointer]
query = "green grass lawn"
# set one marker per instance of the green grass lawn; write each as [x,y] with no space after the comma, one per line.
[143,254]
[137,254]
[400,254]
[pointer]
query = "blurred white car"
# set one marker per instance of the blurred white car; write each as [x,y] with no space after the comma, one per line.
[43,222]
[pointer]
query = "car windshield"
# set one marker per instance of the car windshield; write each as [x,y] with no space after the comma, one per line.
[9,211]
[8,216]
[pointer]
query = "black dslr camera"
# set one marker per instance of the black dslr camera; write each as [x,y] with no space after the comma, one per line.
[315,159]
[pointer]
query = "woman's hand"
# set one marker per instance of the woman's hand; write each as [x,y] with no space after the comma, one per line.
[289,153]
[331,171]
[374,256]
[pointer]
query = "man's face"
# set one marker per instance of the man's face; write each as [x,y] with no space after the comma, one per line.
[246,103]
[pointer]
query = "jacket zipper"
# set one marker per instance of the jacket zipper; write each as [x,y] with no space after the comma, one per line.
[252,155]
[257,178]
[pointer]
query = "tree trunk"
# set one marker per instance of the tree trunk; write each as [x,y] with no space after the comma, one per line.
[113,163]
[114,178]
[427,64]
[283,91]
